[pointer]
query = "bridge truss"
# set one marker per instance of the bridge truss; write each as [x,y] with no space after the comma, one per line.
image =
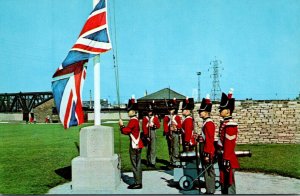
[23,101]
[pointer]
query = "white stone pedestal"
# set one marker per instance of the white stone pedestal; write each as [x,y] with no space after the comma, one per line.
[96,167]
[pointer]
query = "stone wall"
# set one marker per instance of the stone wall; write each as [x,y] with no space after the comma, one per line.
[4,117]
[263,121]
[259,121]
[276,121]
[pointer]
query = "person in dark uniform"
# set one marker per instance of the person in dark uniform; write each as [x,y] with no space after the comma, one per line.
[149,125]
[189,141]
[172,130]
[228,136]
[207,142]
[136,144]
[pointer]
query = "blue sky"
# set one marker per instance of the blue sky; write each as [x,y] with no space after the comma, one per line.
[160,43]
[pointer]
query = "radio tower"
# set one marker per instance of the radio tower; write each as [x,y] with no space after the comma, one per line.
[216,90]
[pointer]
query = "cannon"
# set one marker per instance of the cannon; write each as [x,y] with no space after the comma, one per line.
[189,169]
[245,153]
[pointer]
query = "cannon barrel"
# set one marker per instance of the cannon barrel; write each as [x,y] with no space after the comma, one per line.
[189,154]
[239,153]
[244,153]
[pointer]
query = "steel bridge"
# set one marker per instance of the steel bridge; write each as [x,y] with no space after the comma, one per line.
[23,101]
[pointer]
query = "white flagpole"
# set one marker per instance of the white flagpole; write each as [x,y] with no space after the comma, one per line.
[97,105]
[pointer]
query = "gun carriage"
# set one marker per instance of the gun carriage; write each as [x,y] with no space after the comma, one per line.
[189,169]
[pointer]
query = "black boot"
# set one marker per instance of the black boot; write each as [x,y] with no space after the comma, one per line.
[135,186]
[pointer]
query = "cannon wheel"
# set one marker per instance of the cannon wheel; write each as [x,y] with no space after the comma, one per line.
[186,183]
[217,184]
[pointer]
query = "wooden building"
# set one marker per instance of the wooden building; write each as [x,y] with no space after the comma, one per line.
[160,98]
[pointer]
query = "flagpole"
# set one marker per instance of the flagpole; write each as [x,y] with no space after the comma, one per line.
[97,105]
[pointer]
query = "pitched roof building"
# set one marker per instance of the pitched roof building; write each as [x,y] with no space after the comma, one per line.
[165,93]
[159,97]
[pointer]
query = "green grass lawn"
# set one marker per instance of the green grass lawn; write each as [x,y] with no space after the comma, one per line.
[282,159]
[37,157]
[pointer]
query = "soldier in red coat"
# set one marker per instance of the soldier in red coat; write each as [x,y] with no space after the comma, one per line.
[136,144]
[172,130]
[207,142]
[188,125]
[228,136]
[150,123]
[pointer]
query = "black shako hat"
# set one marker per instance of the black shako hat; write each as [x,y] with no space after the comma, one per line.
[188,104]
[151,106]
[172,104]
[132,105]
[227,102]
[206,104]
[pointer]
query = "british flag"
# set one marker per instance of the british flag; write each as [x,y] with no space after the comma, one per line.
[67,87]
[68,80]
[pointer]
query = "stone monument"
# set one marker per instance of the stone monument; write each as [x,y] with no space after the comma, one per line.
[97,166]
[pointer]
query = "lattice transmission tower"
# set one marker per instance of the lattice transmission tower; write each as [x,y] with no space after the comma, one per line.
[216,89]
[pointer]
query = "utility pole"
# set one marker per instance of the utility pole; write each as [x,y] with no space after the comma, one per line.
[90,99]
[198,74]
[216,90]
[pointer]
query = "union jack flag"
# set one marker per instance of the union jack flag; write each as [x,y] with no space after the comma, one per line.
[68,80]
[67,87]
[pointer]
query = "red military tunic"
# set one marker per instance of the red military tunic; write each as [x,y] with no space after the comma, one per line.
[133,130]
[208,135]
[228,138]
[188,128]
[146,124]
[176,120]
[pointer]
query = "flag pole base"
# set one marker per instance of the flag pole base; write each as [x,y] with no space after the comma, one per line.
[97,166]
